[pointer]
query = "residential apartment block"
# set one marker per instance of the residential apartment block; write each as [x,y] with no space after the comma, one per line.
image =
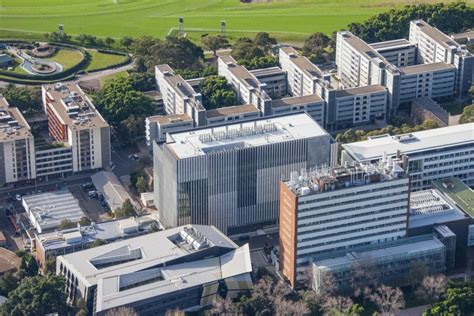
[433,154]
[74,122]
[329,210]
[400,52]
[181,268]
[17,149]
[227,176]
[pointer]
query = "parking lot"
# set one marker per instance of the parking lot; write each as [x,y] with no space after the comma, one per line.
[90,206]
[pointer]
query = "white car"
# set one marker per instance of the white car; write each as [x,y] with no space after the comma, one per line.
[18,197]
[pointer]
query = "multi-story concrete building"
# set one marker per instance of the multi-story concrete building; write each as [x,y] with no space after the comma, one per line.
[432,154]
[312,104]
[178,95]
[74,122]
[248,88]
[64,241]
[227,176]
[400,52]
[156,127]
[359,106]
[273,79]
[436,47]
[332,210]
[358,64]
[17,151]
[180,268]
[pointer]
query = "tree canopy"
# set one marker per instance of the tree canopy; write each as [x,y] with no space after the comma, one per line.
[37,295]
[245,49]
[26,99]
[126,210]
[214,43]
[467,115]
[264,41]
[452,17]
[217,93]
[459,300]
[260,62]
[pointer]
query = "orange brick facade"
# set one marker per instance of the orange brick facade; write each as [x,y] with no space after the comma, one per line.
[56,129]
[288,211]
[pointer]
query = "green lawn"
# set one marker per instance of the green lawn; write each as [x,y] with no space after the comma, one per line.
[101,60]
[67,58]
[288,20]
[17,68]
[121,74]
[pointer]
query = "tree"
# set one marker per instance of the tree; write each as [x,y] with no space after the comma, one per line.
[459,300]
[131,125]
[30,297]
[337,305]
[84,221]
[432,287]
[264,41]
[50,265]
[109,41]
[286,307]
[315,44]
[259,62]
[26,99]
[28,265]
[141,185]
[245,49]
[217,93]
[221,306]
[126,41]
[389,300]
[121,311]
[327,285]
[142,81]
[364,279]
[126,210]
[119,99]
[65,224]
[81,307]
[8,282]
[265,296]
[416,274]
[467,115]
[214,43]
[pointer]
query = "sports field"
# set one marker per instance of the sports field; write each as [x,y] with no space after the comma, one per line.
[288,20]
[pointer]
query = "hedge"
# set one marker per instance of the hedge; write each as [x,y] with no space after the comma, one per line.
[35,82]
[123,63]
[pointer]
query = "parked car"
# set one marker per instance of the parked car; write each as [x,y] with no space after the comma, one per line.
[18,197]
[93,194]
[134,157]
[87,185]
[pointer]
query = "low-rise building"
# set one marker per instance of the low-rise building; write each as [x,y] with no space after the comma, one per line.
[433,154]
[9,261]
[184,267]
[274,80]
[313,104]
[61,242]
[156,127]
[111,189]
[46,211]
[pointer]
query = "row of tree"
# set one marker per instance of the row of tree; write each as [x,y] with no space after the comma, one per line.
[26,99]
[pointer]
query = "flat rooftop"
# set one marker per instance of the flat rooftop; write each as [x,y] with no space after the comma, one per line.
[302,62]
[268,72]
[360,90]
[176,81]
[258,132]
[393,44]
[104,231]
[306,99]
[232,110]
[459,193]
[443,137]
[169,119]
[463,36]
[13,125]
[429,207]
[422,68]
[73,106]
[400,249]
[120,290]
[145,251]
[50,208]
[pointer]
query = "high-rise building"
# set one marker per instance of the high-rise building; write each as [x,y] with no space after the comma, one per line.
[333,210]
[228,175]
[74,122]
[17,149]
[433,154]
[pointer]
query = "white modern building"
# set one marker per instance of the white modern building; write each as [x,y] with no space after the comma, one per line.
[46,211]
[227,176]
[338,209]
[400,52]
[433,154]
[180,268]
[17,149]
